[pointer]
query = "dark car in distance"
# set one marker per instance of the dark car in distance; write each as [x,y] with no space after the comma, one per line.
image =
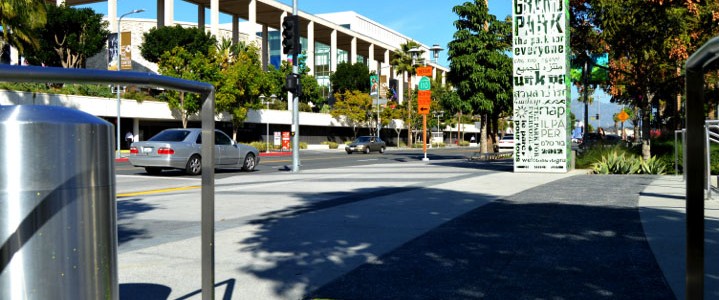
[366,144]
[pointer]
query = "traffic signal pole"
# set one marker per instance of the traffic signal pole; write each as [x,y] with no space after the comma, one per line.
[291,46]
[295,96]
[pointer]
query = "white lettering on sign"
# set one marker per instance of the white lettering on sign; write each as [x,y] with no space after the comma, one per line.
[541,85]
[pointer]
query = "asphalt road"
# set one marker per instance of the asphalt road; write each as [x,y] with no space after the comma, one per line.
[318,159]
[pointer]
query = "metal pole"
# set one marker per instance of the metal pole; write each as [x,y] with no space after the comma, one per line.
[295,109]
[696,66]
[676,151]
[117,49]
[424,137]
[117,65]
[707,164]
[379,79]
[267,137]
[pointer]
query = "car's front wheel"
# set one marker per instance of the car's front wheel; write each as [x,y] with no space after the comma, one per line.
[249,164]
[381,150]
[194,165]
[366,150]
[348,151]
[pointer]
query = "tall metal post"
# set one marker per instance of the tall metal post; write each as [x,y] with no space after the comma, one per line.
[697,64]
[117,49]
[295,107]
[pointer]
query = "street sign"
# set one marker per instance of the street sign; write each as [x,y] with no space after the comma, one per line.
[424,84]
[424,99]
[424,71]
[623,116]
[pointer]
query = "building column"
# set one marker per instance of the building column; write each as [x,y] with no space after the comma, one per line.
[333,51]
[201,17]
[136,129]
[310,53]
[112,15]
[235,29]
[252,12]
[353,50]
[215,18]
[265,47]
[370,59]
[165,13]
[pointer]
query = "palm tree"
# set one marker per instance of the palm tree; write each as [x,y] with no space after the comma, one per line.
[403,64]
[19,19]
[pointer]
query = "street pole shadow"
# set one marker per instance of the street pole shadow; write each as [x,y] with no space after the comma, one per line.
[150,291]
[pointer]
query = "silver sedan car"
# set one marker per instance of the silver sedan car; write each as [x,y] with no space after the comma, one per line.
[180,148]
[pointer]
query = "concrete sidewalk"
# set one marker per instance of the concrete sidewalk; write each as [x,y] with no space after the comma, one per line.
[662,207]
[443,230]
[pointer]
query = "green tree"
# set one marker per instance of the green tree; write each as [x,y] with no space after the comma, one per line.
[350,77]
[241,81]
[311,91]
[354,106]
[157,41]
[648,41]
[191,66]
[19,20]
[404,65]
[70,36]
[481,69]
[391,112]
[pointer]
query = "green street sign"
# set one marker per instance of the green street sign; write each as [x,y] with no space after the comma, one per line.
[424,84]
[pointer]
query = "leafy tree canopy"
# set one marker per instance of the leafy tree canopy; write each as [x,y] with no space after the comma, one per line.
[355,106]
[19,19]
[350,77]
[160,40]
[70,36]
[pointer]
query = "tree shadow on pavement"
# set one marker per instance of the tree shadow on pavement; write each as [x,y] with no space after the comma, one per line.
[126,211]
[568,239]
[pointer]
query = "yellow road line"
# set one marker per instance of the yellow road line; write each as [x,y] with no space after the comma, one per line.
[184,188]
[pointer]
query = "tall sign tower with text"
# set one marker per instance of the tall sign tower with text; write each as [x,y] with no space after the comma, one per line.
[541,85]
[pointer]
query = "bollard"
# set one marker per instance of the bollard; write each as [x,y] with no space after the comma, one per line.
[57,205]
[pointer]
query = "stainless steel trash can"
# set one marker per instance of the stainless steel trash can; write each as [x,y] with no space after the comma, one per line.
[57,205]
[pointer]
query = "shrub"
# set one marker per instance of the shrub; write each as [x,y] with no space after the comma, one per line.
[464,143]
[438,145]
[616,162]
[332,145]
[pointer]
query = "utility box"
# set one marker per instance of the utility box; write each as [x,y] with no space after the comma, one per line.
[57,205]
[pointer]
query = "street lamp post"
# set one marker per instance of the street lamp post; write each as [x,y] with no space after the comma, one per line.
[117,53]
[267,121]
[435,51]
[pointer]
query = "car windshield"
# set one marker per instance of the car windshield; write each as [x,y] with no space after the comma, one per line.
[362,139]
[170,136]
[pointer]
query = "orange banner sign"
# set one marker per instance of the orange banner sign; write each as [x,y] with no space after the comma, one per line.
[424,71]
[424,100]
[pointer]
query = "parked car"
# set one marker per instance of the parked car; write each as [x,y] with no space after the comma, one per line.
[505,143]
[594,138]
[180,148]
[366,144]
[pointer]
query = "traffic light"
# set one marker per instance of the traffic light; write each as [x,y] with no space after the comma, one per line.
[291,35]
[597,116]
[292,82]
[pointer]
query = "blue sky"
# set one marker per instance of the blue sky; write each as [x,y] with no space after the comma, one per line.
[426,21]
